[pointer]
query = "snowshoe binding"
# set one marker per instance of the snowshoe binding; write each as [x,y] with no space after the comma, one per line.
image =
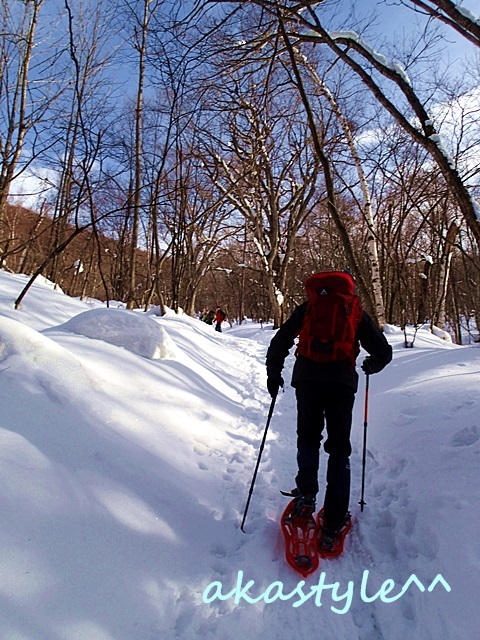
[331,541]
[303,507]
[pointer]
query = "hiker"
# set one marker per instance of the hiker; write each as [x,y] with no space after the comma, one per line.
[209,317]
[330,325]
[220,316]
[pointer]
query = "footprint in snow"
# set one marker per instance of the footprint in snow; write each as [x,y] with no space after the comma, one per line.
[220,568]
[218,550]
[404,419]
[237,457]
[397,468]
[229,474]
[465,437]
[409,520]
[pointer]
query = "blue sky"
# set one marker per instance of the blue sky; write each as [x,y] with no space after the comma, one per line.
[397,20]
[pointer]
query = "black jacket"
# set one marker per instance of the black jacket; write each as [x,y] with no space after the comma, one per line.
[369,335]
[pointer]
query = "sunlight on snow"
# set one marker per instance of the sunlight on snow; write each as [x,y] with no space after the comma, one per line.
[133,513]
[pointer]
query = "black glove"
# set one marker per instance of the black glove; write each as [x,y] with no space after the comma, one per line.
[274,382]
[369,366]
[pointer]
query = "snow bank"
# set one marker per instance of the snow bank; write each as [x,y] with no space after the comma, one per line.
[41,360]
[42,302]
[127,329]
[440,333]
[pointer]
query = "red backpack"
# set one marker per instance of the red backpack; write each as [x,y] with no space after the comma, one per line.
[328,332]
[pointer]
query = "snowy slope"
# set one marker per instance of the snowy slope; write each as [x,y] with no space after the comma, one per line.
[127,446]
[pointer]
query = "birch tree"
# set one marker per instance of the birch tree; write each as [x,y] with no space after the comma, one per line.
[139,42]
[379,310]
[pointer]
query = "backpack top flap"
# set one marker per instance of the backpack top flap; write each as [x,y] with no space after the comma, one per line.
[331,282]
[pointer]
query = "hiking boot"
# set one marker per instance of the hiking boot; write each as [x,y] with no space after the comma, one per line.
[327,541]
[303,507]
[329,534]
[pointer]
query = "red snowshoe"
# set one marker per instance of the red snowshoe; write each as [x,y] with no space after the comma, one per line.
[300,535]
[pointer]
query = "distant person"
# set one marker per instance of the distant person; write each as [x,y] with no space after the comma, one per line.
[209,317]
[220,316]
[330,326]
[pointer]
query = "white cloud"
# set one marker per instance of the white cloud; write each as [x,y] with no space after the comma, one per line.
[458,123]
[33,187]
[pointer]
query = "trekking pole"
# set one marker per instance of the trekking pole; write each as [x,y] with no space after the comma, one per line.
[270,413]
[362,501]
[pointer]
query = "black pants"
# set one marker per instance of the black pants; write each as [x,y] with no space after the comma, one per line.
[317,404]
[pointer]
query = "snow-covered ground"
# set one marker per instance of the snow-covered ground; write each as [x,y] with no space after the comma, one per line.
[127,447]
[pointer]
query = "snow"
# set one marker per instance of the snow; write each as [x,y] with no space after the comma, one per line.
[128,442]
[437,139]
[394,65]
[468,14]
[139,334]
[279,296]
[440,333]
[476,208]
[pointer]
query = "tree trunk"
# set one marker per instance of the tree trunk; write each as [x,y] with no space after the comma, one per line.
[137,194]
[445,274]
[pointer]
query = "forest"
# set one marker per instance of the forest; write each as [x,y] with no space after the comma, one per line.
[189,154]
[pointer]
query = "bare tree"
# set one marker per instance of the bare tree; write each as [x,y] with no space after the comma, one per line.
[17,115]
[141,21]
[376,284]
[445,274]
[304,25]
[417,218]
[262,161]
[82,118]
